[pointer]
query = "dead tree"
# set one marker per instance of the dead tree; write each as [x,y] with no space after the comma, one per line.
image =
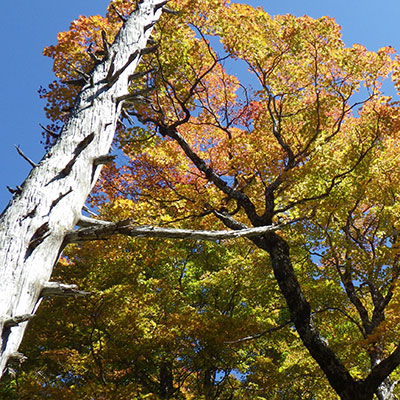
[49,203]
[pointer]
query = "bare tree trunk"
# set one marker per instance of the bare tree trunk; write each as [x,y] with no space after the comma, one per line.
[33,226]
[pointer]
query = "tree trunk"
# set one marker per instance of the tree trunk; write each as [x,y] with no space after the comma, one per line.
[33,226]
[385,390]
[209,383]
[339,378]
[166,380]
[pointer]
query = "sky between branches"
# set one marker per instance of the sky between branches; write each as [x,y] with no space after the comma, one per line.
[28,26]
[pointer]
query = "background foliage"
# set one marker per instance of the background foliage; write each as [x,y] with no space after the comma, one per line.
[308,139]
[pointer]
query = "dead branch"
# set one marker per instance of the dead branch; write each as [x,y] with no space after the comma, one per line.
[92,229]
[21,153]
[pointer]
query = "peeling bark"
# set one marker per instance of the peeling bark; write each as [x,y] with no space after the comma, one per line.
[49,204]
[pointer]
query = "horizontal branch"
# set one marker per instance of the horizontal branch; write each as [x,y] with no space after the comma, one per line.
[93,229]
[61,290]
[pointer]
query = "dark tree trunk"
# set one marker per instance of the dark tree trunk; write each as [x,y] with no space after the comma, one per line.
[209,383]
[346,387]
[339,377]
[166,380]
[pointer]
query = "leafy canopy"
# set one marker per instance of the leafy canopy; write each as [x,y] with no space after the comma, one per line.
[240,119]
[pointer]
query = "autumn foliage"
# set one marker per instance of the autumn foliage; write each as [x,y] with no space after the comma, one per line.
[237,119]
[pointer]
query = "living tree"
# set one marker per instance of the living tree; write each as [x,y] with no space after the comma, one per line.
[300,156]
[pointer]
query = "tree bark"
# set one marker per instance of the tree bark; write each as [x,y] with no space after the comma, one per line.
[34,225]
[342,382]
[385,390]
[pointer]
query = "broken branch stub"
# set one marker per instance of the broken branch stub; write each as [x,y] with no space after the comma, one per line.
[61,290]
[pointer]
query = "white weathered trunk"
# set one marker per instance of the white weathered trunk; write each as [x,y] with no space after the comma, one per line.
[386,390]
[33,227]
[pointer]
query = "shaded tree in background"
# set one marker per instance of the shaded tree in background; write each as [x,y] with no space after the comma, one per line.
[307,143]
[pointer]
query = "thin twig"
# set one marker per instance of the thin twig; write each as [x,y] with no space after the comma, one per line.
[21,153]
[258,335]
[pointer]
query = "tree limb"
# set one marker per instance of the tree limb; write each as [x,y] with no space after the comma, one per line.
[210,174]
[93,229]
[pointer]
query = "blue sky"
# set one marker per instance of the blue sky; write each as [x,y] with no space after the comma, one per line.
[28,26]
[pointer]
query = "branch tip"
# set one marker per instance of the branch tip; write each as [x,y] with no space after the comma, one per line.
[106,45]
[84,75]
[86,208]
[120,16]
[50,132]
[13,191]
[170,11]
[87,221]
[160,5]
[93,56]
[21,153]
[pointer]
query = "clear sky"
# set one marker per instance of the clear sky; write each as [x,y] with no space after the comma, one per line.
[28,26]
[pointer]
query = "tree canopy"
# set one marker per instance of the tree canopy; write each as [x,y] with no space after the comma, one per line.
[236,119]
